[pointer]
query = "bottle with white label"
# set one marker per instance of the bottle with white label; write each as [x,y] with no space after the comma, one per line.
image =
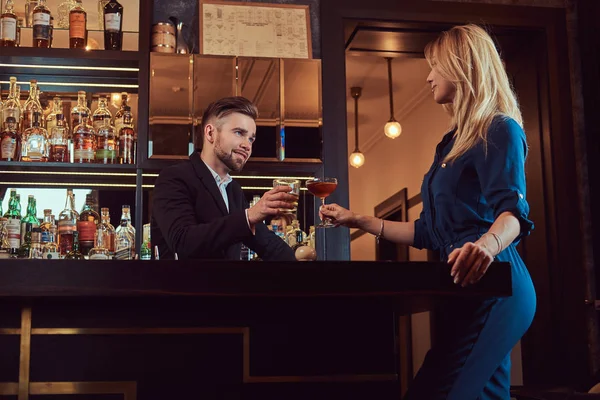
[113,25]
[13,225]
[8,26]
[77,26]
[41,25]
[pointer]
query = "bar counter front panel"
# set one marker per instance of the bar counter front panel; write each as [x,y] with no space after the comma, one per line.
[215,330]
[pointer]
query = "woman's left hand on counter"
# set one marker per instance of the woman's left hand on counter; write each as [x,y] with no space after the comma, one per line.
[469,263]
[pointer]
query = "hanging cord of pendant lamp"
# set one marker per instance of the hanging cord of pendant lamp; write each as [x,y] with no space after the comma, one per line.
[357,159]
[392,128]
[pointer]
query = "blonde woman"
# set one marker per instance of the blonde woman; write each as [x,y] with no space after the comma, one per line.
[474,211]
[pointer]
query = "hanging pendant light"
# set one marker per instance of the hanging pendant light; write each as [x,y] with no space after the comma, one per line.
[357,159]
[392,128]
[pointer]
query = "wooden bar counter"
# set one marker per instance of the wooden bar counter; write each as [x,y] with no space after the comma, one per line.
[216,330]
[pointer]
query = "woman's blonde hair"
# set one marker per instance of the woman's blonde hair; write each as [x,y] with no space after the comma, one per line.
[467,57]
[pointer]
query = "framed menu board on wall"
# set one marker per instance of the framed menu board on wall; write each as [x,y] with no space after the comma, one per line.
[248,29]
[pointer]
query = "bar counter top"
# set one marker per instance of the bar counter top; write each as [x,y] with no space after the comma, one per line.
[42,278]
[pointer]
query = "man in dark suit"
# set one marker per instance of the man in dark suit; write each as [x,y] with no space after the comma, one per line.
[199,212]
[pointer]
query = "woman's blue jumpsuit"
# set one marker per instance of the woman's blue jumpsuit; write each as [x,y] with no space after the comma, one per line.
[461,200]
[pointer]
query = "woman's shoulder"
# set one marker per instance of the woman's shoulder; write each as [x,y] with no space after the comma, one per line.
[505,129]
[507,134]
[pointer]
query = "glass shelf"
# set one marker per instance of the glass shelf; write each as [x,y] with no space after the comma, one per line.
[95,39]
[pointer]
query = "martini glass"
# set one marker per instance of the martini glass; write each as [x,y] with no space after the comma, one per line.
[322,188]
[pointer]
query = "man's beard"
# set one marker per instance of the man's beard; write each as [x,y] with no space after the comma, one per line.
[227,158]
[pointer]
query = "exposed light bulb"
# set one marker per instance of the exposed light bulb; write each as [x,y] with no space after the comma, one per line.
[357,159]
[392,129]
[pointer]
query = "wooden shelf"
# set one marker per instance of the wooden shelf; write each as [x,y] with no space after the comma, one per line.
[48,167]
[69,57]
[67,174]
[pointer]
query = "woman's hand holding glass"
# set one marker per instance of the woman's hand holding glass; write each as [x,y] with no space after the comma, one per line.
[339,215]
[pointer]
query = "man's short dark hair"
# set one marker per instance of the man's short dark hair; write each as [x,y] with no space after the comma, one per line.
[222,108]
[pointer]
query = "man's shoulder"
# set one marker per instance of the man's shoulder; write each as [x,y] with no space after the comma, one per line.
[180,169]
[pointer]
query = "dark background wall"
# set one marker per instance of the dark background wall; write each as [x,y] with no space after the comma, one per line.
[187,12]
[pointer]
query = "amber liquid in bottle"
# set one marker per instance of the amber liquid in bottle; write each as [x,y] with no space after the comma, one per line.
[8,27]
[77,27]
[59,142]
[84,141]
[41,25]
[10,142]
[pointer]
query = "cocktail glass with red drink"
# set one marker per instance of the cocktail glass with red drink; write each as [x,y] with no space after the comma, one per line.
[322,188]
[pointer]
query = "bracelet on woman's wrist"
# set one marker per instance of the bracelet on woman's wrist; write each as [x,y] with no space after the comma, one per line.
[380,235]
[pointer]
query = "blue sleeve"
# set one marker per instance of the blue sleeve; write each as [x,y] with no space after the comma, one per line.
[422,239]
[501,171]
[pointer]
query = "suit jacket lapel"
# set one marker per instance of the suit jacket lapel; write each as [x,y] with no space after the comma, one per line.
[208,181]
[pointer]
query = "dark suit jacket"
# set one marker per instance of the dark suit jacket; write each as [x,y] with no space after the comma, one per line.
[190,218]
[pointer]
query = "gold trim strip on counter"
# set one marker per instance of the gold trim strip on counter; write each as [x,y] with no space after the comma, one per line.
[127,389]
[136,331]
[9,388]
[10,331]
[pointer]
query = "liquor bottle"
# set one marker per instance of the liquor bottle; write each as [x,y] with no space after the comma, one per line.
[67,224]
[80,108]
[25,248]
[146,250]
[41,25]
[35,142]
[11,142]
[127,139]
[75,254]
[106,144]
[56,109]
[59,141]
[108,231]
[8,26]
[63,13]
[84,141]
[50,250]
[31,106]
[124,243]
[99,251]
[4,244]
[47,227]
[94,200]
[86,226]
[13,225]
[113,25]
[11,200]
[118,121]
[101,113]
[36,251]
[30,218]
[77,26]
[125,236]
[295,235]
[18,206]
[12,106]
